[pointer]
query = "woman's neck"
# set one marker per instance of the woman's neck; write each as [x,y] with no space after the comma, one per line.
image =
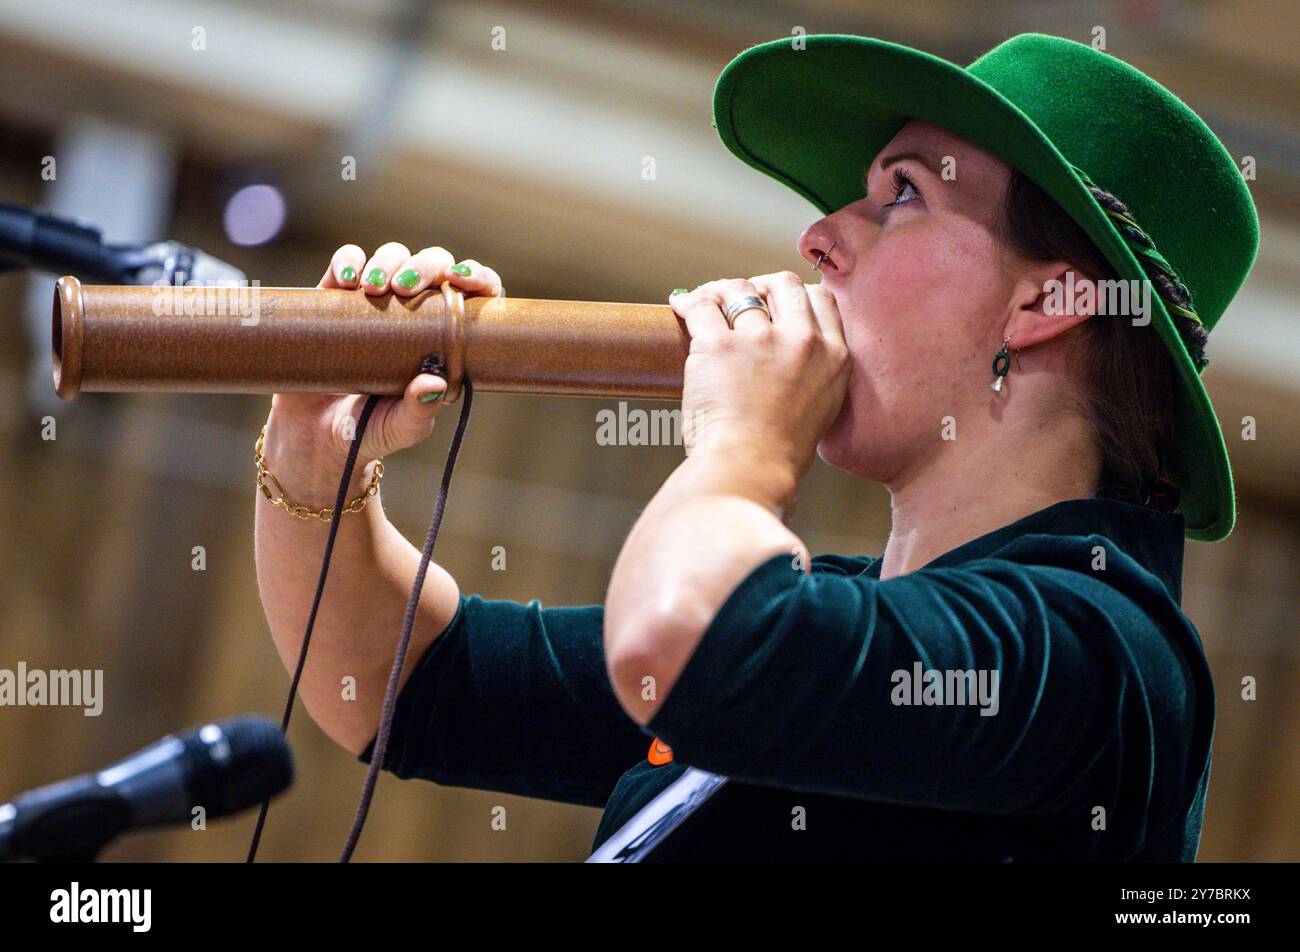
[962,495]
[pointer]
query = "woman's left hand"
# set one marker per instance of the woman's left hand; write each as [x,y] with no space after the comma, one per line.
[770,387]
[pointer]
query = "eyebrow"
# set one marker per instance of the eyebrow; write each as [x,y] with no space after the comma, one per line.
[896,157]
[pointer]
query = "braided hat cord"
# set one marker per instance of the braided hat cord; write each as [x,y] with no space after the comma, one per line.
[1175,294]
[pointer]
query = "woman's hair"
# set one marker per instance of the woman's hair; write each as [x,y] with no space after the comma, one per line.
[1126,372]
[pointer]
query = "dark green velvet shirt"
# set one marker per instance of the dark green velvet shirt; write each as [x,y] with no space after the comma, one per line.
[1099,748]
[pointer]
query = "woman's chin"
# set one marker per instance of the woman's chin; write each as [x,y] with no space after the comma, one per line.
[852,445]
[836,445]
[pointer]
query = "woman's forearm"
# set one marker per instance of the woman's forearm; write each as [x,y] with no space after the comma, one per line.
[364,602]
[716,518]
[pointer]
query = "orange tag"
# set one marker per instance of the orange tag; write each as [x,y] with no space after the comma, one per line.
[660,753]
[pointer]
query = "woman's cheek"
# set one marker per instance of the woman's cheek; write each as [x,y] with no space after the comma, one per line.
[906,311]
[891,345]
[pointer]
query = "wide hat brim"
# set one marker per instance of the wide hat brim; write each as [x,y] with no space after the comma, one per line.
[814,118]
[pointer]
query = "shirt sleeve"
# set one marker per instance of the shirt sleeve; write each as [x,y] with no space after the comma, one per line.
[801,682]
[515,697]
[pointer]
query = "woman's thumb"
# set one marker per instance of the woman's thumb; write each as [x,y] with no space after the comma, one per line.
[410,419]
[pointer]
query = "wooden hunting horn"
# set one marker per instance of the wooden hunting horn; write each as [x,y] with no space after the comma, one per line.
[304,340]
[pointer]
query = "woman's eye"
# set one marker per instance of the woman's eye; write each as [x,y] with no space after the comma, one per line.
[903,195]
[905,189]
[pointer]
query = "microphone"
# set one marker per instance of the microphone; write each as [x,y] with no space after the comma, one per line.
[36,239]
[223,767]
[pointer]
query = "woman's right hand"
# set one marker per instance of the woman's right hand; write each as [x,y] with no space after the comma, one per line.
[308,435]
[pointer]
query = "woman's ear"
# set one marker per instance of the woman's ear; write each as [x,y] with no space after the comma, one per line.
[1047,301]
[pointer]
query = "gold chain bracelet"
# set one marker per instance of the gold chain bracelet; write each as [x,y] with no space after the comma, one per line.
[303,512]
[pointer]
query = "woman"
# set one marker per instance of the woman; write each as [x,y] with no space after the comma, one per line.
[1013,678]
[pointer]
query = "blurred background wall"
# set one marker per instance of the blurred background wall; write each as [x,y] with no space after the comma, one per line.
[530,159]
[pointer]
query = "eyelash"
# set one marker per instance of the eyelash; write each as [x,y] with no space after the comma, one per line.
[902,180]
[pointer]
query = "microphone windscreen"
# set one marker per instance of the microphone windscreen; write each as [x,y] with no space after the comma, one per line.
[236,763]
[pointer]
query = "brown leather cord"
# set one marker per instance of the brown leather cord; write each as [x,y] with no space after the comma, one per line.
[395,675]
[430,364]
[339,503]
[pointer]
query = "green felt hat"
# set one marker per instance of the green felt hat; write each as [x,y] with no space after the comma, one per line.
[812,112]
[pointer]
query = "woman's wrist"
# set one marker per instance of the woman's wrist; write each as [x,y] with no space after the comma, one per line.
[309,471]
[741,467]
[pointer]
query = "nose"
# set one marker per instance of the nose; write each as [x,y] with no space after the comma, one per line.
[820,243]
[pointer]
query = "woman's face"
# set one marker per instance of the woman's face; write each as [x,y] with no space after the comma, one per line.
[921,283]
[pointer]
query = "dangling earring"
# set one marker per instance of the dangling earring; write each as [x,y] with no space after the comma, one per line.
[1001,364]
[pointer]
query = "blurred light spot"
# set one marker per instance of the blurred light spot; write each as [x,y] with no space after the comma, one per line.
[254,215]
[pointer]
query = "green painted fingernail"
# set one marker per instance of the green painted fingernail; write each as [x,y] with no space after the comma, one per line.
[677,291]
[376,277]
[461,269]
[430,397]
[348,274]
[408,278]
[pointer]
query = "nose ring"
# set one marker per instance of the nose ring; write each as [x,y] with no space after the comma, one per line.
[821,256]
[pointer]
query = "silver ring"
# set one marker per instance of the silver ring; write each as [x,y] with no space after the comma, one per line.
[823,255]
[747,303]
